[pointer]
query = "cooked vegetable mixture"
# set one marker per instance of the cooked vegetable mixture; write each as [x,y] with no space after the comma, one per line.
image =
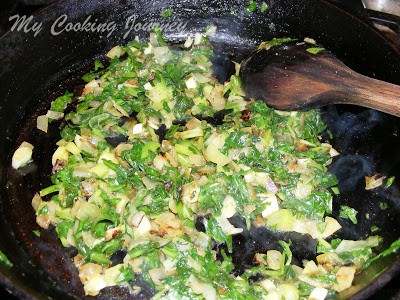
[154,146]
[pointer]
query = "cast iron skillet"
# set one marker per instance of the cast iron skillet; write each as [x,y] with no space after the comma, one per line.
[34,70]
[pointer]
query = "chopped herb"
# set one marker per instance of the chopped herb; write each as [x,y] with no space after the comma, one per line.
[374,228]
[166,13]
[274,42]
[44,210]
[347,212]
[315,50]
[4,260]
[264,7]
[383,205]
[36,232]
[98,65]
[323,246]
[335,190]
[252,6]
[125,275]
[61,103]
[389,182]
[49,190]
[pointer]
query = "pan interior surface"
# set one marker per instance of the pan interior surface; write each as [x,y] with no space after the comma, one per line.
[30,80]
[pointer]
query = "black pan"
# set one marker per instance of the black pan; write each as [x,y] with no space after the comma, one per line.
[36,69]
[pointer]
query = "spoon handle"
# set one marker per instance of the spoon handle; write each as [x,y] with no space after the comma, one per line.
[372,93]
[349,87]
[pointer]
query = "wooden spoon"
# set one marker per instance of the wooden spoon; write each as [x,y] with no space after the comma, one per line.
[288,77]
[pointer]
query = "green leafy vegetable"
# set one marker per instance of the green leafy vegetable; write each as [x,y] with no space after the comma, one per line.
[348,213]
[264,7]
[389,182]
[394,247]
[383,205]
[374,228]
[252,6]
[4,260]
[166,13]
[315,50]
[61,103]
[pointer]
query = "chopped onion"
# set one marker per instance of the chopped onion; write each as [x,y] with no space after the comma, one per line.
[102,171]
[55,115]
[196,160]
[211,30]
[318,294]
[311,268]
[268,285]
[199,287]
[42,123]
[83,170]
[156,275]
[201,78]
[188,42]
[227,227]
[116,51]
[373,181]
[111,274]
[191,83]
[148,183]
[304,226]
[22,156]
[303,190]
[90,87]
[88,147]
[216,139]
[197,38]
[344,278]
[93,281]
[272,206]
[281,219]
[112,233]
[144,226]
[168,219]
[228,207]
[260,259]
[194,264]
[137,129]
[137,218]
[348,245]
[83,209]
[329,260]
[274,259]
[299,165]
[120,109]
[191,133]
[36,201]
[212,154]
[190,192]
[216,97]
[310,41]
[162,54]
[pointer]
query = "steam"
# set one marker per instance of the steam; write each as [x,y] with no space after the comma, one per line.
[350,127]
[354,136]
[350,171]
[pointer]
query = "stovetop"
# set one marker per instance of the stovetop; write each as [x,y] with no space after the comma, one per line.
[26,7]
